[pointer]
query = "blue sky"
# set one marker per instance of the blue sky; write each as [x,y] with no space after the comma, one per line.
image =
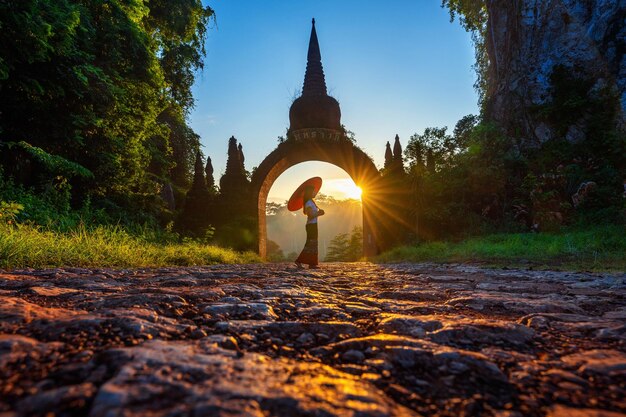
[396,67]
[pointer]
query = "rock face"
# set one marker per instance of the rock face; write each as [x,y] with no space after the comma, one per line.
[527,39]
[346,340]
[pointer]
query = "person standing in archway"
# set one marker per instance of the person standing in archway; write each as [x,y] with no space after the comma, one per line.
[309,252]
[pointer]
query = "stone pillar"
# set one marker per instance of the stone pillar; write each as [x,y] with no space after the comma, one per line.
[370,246]
[261,200]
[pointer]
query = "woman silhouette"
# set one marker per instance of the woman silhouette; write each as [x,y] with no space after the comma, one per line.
[309,253]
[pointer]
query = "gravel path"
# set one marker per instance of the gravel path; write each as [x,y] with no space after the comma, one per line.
[347,340]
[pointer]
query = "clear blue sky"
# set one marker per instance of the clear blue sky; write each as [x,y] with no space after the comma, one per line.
[394,67]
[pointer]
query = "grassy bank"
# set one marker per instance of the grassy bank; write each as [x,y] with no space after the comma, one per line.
[601,248]
[104,246]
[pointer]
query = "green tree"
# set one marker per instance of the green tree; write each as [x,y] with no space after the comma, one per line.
[234,181]
[338,248]
[208,171]
[274,252]
[388,157]
[464,182]
[102,84]
[237,224]
[234,184]
[346,247]
[194,219]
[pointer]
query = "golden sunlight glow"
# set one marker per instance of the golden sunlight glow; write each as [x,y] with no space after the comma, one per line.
[342,188]
[355,193]
[337,183]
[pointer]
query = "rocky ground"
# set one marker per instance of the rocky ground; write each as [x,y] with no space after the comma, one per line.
[346,340]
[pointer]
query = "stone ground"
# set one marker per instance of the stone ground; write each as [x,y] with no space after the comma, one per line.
[347,340]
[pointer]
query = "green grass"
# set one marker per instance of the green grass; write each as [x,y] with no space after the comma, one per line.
[104,246]
[602,248]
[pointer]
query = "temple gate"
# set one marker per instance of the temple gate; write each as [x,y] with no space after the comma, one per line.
[316,134]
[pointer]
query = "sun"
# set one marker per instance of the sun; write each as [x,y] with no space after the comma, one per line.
[342,188]
[354,192]
[345,188]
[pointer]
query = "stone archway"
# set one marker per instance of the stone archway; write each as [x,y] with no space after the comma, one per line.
[340,152]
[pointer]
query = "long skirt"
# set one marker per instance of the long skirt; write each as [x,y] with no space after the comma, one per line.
[309,253]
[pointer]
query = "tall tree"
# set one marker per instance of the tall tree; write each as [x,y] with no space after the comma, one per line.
[346,247]
[208,171]
[194,218]
[398,159]
[397,149]
[234,183]
[236,223]
[388,157]
[242,158]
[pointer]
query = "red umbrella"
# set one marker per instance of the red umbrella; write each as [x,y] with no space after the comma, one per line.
[295,202]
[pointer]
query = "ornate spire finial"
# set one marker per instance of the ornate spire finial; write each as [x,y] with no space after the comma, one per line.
[314,109]
[314,82]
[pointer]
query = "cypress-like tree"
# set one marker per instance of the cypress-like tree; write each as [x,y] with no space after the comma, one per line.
[388,157]
[397,151]
[241,157]
[396,187]
[208,171]
[234,183]
[236,226]
[233,163]
[346,247]
[194,218]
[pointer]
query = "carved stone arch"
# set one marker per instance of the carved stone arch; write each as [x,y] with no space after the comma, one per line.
[341,153]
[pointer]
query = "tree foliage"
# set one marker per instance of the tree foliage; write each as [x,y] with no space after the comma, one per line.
[103,85]
[491,180]
[194,219]
[346,247]
[235,198]
[234,182]
[478,180]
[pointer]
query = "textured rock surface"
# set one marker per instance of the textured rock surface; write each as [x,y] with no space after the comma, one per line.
[527,38]
[347,340]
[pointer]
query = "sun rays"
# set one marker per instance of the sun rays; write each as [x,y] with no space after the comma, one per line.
[342,188]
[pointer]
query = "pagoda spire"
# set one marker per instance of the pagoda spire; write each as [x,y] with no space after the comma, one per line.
[314,82]
[314,109]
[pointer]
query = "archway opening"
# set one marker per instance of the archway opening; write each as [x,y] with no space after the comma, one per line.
[340,229]
[336,151]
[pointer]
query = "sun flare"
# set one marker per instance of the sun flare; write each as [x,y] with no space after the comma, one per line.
[342,188]
[354,192]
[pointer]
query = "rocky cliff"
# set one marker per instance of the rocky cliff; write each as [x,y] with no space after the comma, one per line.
[527,39]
